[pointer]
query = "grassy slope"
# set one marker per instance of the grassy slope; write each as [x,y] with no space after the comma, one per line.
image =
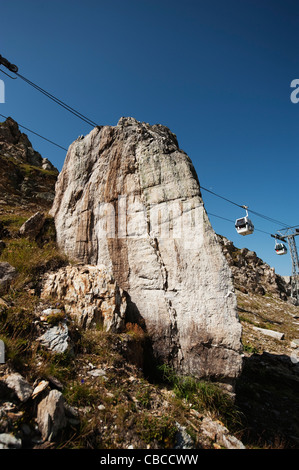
[126,407]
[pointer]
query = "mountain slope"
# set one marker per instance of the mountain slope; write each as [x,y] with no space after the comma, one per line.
[105,387]
[26,179]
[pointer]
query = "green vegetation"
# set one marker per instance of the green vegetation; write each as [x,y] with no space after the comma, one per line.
[124,406]
[203,396]
[249,348]
[161,429]
[80,394]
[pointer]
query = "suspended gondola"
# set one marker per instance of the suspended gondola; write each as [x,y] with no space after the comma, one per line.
[280,249]
[244,226]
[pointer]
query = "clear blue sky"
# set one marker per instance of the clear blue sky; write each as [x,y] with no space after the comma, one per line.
[216,72]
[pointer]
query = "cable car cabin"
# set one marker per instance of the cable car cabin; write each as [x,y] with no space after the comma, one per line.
[280,249]
[244,226]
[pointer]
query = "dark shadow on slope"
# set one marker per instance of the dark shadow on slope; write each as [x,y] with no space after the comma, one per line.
[267,394]
[149,360]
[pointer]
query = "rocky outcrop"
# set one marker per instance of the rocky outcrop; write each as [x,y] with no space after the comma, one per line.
[251,273]
[90,295]
[220,435]
[25,177]
[130,199]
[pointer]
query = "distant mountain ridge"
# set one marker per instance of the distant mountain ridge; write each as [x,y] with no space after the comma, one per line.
[252,274]
[25,177]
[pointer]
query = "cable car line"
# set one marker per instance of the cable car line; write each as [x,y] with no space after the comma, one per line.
[13,68]
[228,200]
[13,78]
[48,140]
[243,225]
[58,101]
[244,207]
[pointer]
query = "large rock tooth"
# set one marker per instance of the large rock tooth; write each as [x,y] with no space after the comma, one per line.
[129,198]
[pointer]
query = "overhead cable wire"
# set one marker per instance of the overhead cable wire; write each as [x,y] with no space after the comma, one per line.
[58,101]
[269,219]
[13,78]
[29,130]
[228,200]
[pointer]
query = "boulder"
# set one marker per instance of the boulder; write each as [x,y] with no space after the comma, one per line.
[32,226]
[7,275]
[51,415]
[19,385]
[90,295]
[219,434]
[56,338]
[183,440]
[40,388]
[47,165]
[9,441]
[267,332]
[129,198]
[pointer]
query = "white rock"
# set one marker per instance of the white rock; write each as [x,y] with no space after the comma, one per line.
[8,441]
[19,385]
[7,274]
[33,225]
[97,373]
[183,439]
[40,388]
[272,333]
[56,338]
[218,433]
[51,415]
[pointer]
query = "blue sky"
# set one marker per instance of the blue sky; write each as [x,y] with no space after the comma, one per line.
[216,72]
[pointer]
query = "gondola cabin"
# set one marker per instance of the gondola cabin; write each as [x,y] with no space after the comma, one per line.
[244,226]
[280,249]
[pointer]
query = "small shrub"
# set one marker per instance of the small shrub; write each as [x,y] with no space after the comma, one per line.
[135,330]
[144,397]
[157,428]
[203,395]
[81,394]
[55,318]
[250,348]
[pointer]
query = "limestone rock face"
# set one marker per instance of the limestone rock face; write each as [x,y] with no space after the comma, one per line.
[129,198]
[90,295]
